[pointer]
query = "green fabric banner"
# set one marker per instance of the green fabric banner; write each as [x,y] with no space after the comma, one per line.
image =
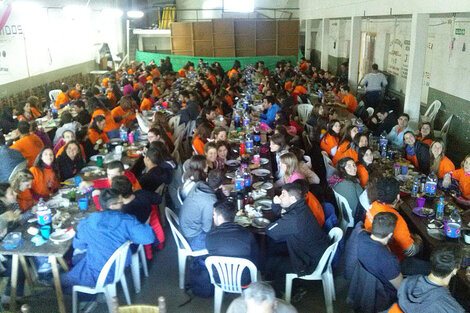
[179,61]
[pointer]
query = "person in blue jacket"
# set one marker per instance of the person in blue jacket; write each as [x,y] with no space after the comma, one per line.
[99,236]
[271,109]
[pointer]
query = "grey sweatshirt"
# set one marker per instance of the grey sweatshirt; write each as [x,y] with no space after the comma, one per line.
[197,209]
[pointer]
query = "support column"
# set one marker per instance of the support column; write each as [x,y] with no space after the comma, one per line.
[308,38]
[140,43]
[325,40]
[414,80]
[354,50]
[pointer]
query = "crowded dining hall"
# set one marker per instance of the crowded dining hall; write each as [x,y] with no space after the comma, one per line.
[310,161]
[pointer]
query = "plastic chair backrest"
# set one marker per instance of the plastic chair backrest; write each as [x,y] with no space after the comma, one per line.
[330,169]
[304,111]
[178,195]
[53,94]
[17,168]
[119,259]
[445,128]
[179,131]
[432,110]
[335,235]
[345,211]
[173,220]
[160,189]
[230,272]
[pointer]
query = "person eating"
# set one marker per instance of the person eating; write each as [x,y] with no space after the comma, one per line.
[46,175]
[29,144]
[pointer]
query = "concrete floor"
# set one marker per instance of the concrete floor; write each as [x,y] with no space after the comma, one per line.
[163,281]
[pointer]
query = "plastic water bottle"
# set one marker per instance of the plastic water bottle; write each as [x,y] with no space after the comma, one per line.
[246,119]
[123,133]
[257,136]
[431,184]
[453,225]
[239,181]
[440,209]
[162,305]
[249,143]
[415,188]
[247,179]
[359,124]
[383,141]
[43,213]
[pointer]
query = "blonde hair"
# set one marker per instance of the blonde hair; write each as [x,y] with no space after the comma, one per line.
[20,177]
[291,162]
[463,161]
[435,162]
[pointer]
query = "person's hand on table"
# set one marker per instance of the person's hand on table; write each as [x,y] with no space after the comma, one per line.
[85,184]
[373,120]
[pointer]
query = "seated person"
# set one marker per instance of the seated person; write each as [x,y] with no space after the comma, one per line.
[431,293]
[138,203]
[271,108]
[438,162]
[242,242]
[46,175]
[278,146]
[63,98]
[395,136]
[208,115]
[124,112]
[197,210]
[462,175]
[260,297]
[21,184]
[345,147]
[67,137]
[195,171]
[98,236]
[10,159]
[387,193]
[154,174]
[348,101]
[299,240]
[96,132]
[29,144]
[83,116]
[71,162]
[330,141]
[417,152]
[201,136]
[113,169]
[66,123]
[364,165]
[376,258]
[383,121]
[426,134]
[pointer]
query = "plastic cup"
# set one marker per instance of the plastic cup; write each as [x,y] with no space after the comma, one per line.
[77,179]
[83,204]
[404,169]
[420,202]
[256,159]
[396,169]
[45,231]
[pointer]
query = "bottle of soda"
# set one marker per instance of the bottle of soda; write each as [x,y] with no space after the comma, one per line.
[43,213]
[415,188]
[257,136]
[453,225]
[440,209]
[431,184]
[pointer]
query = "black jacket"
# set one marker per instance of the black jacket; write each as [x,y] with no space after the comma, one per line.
[387,124]
[231,239]
[189,113]
[422,155]
[69,168]
[305,239]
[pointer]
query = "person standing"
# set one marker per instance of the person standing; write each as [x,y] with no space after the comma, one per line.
[374,82]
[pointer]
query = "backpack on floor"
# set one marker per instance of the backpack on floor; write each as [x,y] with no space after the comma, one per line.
[199,280]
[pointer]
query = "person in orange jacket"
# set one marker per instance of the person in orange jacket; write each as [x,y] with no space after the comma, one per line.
[46,175]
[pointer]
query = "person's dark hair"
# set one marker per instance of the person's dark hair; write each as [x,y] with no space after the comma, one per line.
[159,131]
[347,134]
[215,178]
[24,127]
[375,67]
[345,88]
[66,118]
[357,139]
[107,197]
[79,103]
[3,189]
[270,99]
[163,153]
[341,167]
[384,224]
[204,131]
[431,133]
[410,132]
[196,168]
[382,109]
[294,190]
[360,155]
[405,115]
[116,164]
[2,139]
[94,125]
[64,87]
[279,140]
[122,185]
[40,164]
[445,259]
[387,189]
[153,154]
[330,128]
[226,209]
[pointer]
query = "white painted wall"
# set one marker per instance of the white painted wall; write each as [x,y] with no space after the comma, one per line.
[217,4]
[37,40]
[313,9]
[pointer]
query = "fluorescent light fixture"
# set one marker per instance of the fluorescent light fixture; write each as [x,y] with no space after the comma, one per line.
[135,14]
[112,12]
[76,11]
[239,6]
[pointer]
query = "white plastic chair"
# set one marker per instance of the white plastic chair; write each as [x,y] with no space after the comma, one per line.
[330,169]
[444,130]
[119,259]
[431,112]
[230,272]
[304,111]
[53,95]
[162,191]
[370,111]
[322,272]
[18,167]
[178,195]
[184,250]
[345,212]
[135,267]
